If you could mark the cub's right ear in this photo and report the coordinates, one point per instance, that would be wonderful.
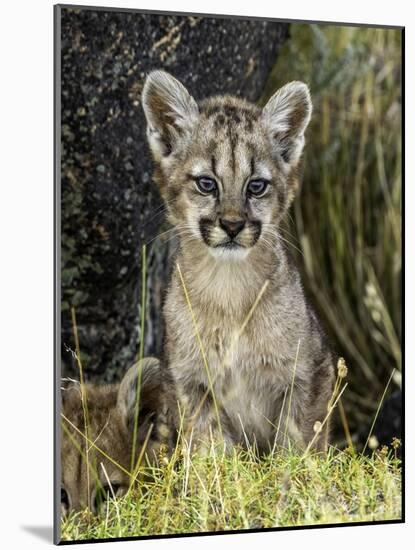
(170, 111)
(286, 116)
(145, 377)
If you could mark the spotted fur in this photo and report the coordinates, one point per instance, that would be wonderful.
(271, 369)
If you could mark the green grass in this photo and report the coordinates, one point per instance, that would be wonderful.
(234, 492)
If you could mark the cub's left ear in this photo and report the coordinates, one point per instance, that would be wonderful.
(286, 115)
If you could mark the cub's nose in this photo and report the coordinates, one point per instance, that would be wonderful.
(232, 227)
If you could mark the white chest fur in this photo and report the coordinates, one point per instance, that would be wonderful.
(248, 385)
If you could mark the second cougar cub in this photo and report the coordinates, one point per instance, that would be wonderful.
(102, 421)
(247, 352)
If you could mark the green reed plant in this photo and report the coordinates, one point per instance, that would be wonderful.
(346, 219)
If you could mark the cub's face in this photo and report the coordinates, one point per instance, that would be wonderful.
(226, 183)
(225, 167)
(90, 478)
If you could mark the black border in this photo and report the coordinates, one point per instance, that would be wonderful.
(403, 92)
(230, 532)
(57, 371)
(57, 268)
(224, 16)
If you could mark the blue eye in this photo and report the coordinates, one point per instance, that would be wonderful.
(206, 185)
(257, 187)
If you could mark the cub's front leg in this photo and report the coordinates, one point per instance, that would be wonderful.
(310, 417)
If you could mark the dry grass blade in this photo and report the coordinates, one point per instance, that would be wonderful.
(80, 451)
(93, 445)
(345, 425)
(141, 354)
(202, 350)
(140, 457)
(378, 410)
(291, 392)
(114, 499)
(83, 393)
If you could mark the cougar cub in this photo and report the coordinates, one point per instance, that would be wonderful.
(110, 413)
(247, 352)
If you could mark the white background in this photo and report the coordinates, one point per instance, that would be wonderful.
(26, 255)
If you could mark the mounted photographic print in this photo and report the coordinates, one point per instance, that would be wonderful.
(228, 274)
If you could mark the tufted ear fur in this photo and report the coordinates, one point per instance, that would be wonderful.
(170, 111)
(286, 116)
(147, 374)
